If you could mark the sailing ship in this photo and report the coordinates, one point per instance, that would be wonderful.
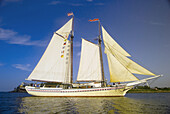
(56, 66)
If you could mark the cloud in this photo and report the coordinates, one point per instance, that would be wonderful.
(22, 67)
(5, 2)
(13, 37)
(6, 34)
(54, 2)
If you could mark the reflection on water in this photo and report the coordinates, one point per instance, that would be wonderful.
(130, 104)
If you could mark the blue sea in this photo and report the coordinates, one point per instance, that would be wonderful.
(132, 103)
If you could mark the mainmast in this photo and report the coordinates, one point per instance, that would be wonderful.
(100, 51)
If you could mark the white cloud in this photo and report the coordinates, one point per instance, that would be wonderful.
(22, 67)
(6, 34)
(54, 2)
(13, 37)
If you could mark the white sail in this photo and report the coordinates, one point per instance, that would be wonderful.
(90, 66)
(132, 66)
(54, 65)
(118, 73)
(66, 29)
(110, 43)
(119, 65)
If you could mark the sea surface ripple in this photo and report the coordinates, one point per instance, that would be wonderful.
(132, 103)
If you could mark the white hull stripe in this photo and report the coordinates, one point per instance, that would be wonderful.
(70, 91)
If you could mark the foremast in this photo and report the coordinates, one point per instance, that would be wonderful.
(72, 36)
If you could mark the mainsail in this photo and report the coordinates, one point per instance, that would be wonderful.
(121, 67)
(90, 66)
(54, 65)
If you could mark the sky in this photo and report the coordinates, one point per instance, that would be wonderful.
(141, 27)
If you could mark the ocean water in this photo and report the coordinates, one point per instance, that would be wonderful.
(132, 103)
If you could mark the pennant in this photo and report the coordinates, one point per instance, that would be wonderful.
(94, 20)
(69, 14)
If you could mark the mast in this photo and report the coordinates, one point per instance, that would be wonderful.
(72, 36)
(100, 52)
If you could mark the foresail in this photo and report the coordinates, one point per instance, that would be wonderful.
(90, 66)
(118, 73)
(132, 66)
(109, 42)
(121, 67)
(54, 65)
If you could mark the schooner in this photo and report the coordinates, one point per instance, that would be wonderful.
(56, 66)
